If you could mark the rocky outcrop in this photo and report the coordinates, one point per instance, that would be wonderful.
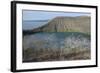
(67, 24)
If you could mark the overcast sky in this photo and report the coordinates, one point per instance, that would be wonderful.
(45, 15)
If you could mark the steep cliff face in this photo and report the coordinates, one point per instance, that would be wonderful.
(67, 24)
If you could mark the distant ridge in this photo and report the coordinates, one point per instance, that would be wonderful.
(67, 24)
(35, 20)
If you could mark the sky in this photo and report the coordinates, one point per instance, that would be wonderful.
(45, 15)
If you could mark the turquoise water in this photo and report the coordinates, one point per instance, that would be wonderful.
(56, 40)
(61, 34)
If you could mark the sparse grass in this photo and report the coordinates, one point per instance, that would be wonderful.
(39, 56)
